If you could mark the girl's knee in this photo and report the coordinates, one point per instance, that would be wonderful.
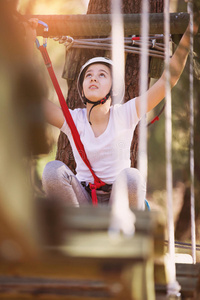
(136, 186)
(133, 177)
(52, 171)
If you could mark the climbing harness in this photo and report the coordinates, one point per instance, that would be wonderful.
(97, 182)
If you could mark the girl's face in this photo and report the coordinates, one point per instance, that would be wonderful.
(97, 82)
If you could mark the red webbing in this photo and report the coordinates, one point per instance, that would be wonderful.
(155, 119)
(97, 182)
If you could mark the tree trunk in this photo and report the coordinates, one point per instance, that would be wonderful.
(75, 58)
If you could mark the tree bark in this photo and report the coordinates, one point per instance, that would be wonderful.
(75, 58)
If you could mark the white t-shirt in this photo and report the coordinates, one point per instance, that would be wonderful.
(108, 153)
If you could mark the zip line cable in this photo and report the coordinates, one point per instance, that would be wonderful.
(131, 44)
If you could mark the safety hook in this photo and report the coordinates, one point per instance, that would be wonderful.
(46, 28)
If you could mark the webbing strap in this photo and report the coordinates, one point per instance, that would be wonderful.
(76, 137)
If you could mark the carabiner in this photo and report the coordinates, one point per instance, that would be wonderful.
(46, 28)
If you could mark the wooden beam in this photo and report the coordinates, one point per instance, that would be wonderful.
(100, 25)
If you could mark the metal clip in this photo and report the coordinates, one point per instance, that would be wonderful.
(69, 42)
(133, 41)
(153, 43)
(46, 29)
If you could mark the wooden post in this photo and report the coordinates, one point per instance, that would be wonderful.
(100, 24)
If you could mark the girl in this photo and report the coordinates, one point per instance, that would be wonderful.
(106, 132)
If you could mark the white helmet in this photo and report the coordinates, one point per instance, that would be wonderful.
(91, 61)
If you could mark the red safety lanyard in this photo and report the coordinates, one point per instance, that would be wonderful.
(76, 137)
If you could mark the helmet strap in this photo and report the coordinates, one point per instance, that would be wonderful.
(95, 103)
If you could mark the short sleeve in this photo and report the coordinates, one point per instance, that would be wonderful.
(126, 114)
(78, 116)
(65, 128)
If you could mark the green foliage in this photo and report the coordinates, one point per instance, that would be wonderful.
(156, 153)
(180, 139)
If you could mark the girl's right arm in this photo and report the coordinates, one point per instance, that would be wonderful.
(53, 113)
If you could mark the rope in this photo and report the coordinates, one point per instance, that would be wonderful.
(131, 44)
(143, 85)
(183, 245)
(157, 116)
(122, 219)
(173, 286)
(118, 56)
(192, 197)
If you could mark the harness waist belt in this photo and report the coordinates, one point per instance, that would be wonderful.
(105, 188)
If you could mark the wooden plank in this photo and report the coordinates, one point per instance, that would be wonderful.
(86, 221)
(189, 287)
(94, 218)
(124, 261)
(43, 288)
(100, 244)
(189, 270)
(85, 251)
(188, 278)
(100, 25)
(91, 219)
(124, 278)
(53, 264)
